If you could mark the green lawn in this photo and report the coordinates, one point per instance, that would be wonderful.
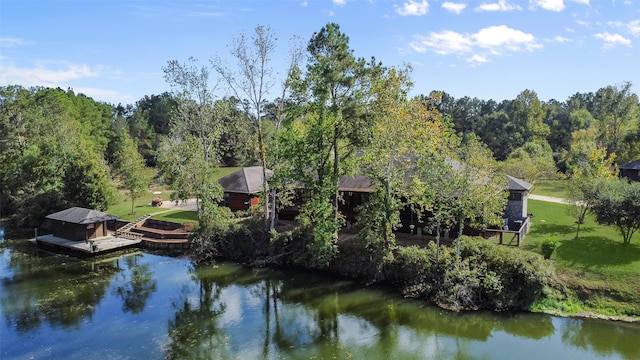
(554, 188)
(180, 216)
(604, 272)
(143, 204)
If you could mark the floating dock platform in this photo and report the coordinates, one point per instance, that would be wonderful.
(93, 246)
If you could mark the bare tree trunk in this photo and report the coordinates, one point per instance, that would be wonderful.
(273, 210)
(460, 226)
(438, 244)
(336, 174)
(265, 185)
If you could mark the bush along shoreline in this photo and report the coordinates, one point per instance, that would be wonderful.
(485, 276)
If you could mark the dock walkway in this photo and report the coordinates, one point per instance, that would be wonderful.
(93, 246)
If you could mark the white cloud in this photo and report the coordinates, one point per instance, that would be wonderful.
(611, 40)
(560, 39)
(584, 2)
(113, 97)
(339, 2)
(499, 38)
(443, 43)
(634, 27)
(583, 23)
(11, 42)
(477, 59)
(478, 47)
(43, 76)
(501, 5)
(551, 5)
(413, 8)
(63, 75)
(455, 8)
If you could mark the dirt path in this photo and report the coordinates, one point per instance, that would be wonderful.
(549, 199)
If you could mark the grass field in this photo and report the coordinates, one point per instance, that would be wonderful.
(603, 272)
(143, 204)
(180, 216)
(554, 188)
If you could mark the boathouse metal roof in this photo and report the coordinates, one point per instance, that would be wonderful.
(79, 215)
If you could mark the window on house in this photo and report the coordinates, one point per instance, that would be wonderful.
(515, 196)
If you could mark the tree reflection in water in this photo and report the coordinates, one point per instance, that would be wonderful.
(63, 291)
(193, 332)
(48, 290)
(228, 311)
(135, 286)
(589, 336)
(57, 290)
(304, 315)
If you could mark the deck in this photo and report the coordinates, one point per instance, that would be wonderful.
(517, 235)
(94, 246)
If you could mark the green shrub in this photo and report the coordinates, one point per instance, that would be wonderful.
(486, 275)
(548, 246)
(414, 271)
(222, 235)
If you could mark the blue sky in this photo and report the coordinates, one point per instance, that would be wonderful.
(114, 50)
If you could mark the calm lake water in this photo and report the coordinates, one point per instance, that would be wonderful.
(148, 306)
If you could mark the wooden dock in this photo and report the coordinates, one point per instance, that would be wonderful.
(93, 246)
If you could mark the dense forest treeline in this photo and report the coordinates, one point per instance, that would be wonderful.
(60, 149)
(57, 147)
(509, 127)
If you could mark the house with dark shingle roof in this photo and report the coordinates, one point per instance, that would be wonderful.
(631, 170)
(79, 224)
(242, 188)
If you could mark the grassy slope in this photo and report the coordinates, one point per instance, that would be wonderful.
(180, 216)
(554, 188)
(604, 272)
(143, 204)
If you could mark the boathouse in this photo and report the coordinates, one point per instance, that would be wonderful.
(79, 224)
(242, 188)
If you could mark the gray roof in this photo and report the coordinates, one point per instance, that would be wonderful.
(78, 215)
(247, 180)
(355, 183)
(634, 165)
(518, 184)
